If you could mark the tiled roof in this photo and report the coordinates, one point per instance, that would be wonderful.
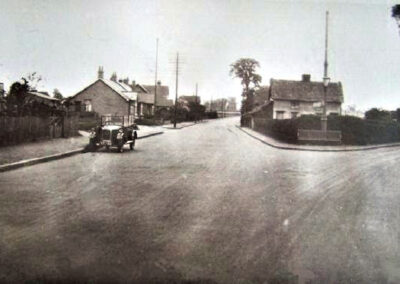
(122, 89)
(146, 98)
(305, 91)
(162, 91)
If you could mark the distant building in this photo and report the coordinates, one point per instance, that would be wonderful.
(189, 99)
(146, 95)
(289, 99)
(42, 97)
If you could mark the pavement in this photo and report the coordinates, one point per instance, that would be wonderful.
(207, 204)
(181, 125)
(317, 148)
(12, 157)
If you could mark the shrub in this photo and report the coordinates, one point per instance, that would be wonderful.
(211, 114)
(148, 121)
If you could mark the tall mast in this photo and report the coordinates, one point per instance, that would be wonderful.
(155, 80)
(326, 46)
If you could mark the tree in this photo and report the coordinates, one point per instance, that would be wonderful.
(17, 99)
(196, 111)
(245, 69)
(33, 80)
(378, 114)
(57, 94)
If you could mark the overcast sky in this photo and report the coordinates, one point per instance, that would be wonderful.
(66, 41)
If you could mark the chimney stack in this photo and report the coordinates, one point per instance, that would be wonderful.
(100, 73)
(114, 77)
(306, 77)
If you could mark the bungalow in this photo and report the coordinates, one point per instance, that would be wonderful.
(105, 97)
(289, 99)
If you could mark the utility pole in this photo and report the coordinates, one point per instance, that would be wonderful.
(195, 118)
(176, 86)
(326, 79)
(155, 81)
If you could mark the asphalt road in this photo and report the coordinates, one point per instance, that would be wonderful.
(205, 203)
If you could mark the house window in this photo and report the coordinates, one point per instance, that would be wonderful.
(279, 114)
(294, 114)
(88, 105)
(294, 104)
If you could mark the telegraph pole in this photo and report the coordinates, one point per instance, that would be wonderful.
(176, 86)
(155, 81)
(326, 79)
(195, 118)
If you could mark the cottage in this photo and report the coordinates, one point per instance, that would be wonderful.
(289, 99)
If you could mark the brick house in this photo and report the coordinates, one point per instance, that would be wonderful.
(105, 97)
(119, 98)
(286, 99)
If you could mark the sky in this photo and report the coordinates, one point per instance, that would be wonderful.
(66, 41)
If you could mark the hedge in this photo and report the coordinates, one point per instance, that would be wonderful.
(355, 131)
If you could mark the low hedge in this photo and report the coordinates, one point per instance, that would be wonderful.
(355, 131)
(148, 121)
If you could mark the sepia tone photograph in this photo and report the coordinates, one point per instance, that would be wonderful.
(200, 141)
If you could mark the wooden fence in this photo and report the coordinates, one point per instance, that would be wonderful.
(14, 130)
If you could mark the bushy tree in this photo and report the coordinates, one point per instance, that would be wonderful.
(245, 69)
(396, 13)
(378, 114)
(17, 99)
(196, 111)
(57, 94)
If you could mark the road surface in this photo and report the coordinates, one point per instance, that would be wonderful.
(205, 203)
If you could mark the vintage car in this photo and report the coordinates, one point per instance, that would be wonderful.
(113, 136)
